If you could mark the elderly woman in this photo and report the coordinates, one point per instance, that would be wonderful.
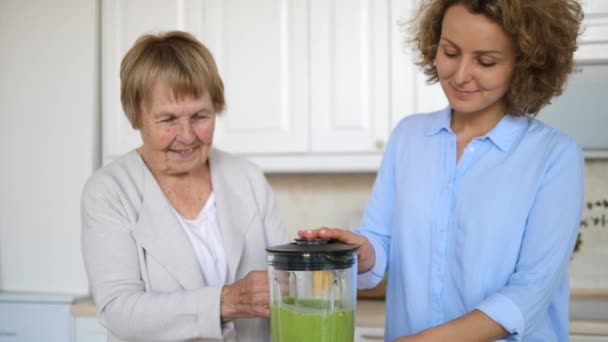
(174, 232)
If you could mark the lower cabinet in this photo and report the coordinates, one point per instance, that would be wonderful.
(88, 329)
(35, 321)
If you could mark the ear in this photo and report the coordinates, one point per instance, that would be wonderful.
(138, 119)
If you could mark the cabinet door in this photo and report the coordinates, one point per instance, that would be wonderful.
(410, 92)
(260, 48)
(25, 321)
(262, 52)
(350, 70)
(593, 44)
(122, 23)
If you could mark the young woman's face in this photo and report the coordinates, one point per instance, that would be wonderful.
(475, 60)
(177, 133)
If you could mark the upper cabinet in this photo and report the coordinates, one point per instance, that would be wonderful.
(311, 85)
(593, 44)
(122, 22)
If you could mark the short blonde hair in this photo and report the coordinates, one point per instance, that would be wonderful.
(177, 58)
(544, 33)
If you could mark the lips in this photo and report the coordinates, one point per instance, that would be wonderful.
(462, 92)
(184, 152)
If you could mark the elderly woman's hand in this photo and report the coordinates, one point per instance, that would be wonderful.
(366, 255)
(246, 298)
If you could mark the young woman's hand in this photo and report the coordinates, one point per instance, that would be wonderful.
(366, 254)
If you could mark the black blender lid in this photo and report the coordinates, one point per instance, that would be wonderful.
(326, 246)
(312, 255)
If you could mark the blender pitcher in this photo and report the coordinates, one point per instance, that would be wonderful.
(313, 291)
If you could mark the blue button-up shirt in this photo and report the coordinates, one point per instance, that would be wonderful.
(493, 231)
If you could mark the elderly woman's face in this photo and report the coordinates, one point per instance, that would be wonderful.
(177, 133)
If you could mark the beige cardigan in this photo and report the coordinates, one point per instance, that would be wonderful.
(144, 276)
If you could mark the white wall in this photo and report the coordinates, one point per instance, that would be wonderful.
(49, 139)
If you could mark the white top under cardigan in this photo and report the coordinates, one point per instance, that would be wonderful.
(206, 239)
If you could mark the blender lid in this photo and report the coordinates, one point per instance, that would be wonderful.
(311, 255)
(306, 246)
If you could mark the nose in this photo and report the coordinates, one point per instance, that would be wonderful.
(185, 134)
(463, 72)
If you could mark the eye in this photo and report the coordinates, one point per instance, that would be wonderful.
(168, 119)
(200, 116)
(486, 63)
(450, 53)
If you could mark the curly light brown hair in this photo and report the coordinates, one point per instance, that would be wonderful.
(544, 34)
(177, 58)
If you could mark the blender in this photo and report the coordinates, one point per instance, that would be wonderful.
(312, 291)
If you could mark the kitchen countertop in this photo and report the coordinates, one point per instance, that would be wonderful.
(370, 313)
(83, 307)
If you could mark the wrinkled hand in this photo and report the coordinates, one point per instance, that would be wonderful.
(246, 298)
(366, 255)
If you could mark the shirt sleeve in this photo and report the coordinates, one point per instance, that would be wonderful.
(547, 246)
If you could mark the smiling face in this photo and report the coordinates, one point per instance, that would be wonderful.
(177, 132)
(475, 60)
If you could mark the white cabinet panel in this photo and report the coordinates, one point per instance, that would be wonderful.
(410, 92)
(25, 322)
(350, 63)
(593, 44)
(595, 7)
(260, 48)
(122, 23)
(262, 51)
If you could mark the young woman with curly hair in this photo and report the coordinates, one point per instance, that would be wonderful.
(476, 207)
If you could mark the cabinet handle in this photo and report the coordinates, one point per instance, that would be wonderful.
(379, 144)
(371, 337)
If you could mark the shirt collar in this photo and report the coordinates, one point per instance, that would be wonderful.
(503, 135)
(440, 121)
(509, 128)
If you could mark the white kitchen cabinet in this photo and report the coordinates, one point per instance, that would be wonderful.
(121, 23)
(260, 48)
(593, 44)
(26, 317)
(350, 75)
(311, 85)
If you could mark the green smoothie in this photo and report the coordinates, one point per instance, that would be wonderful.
(311, 321)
